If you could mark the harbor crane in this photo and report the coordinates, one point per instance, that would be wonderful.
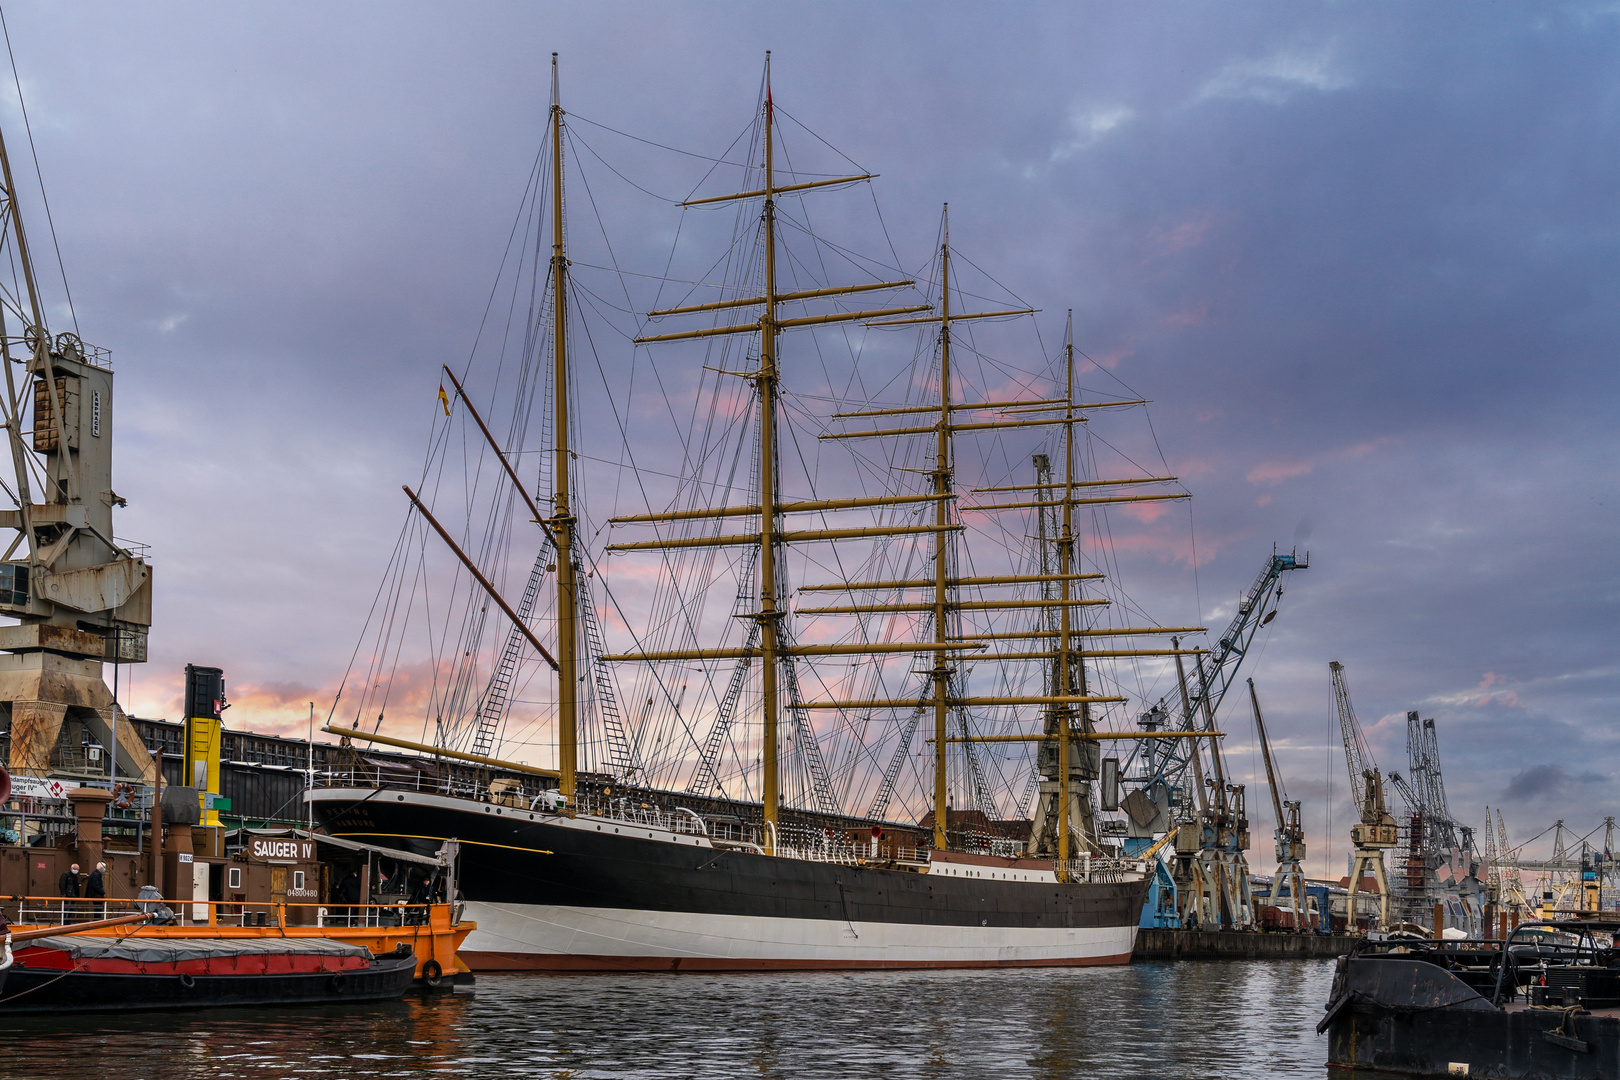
(1441, 861)
(1376, 831)
(1290, 833)
(1208, 872)
(1512, 884)
(1493, 866)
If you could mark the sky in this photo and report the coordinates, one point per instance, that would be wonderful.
(1362, 257)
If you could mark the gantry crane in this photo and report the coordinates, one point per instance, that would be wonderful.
(1375, 833)
(1512, 884)
(1290, 833)
(1493, 868)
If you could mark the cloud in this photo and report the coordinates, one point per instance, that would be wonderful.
(1490, 691)
(1542, 780)
(1089, 124)
(1191, 315)
(1185, 234)
(1275, 472)
(1370, 446)
(1278, 77)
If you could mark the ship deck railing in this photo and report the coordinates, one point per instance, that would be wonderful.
(403, 778)
(1101, 870)
(633, 811)
(65, 911)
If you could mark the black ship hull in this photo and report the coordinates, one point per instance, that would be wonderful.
(555, 892)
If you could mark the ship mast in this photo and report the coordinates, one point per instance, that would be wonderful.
(942, 490)
(770, 508)
(943, 422)
(766, 380)
(1067, 690)
(562, 517)
(1066, 657)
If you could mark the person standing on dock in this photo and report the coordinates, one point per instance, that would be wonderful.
(68, 886)
(95, 888)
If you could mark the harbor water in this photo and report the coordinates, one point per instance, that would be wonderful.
(1191, 1019)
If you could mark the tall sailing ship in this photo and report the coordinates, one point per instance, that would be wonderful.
(871, 729)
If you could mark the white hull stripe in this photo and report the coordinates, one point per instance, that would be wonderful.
(545, 936)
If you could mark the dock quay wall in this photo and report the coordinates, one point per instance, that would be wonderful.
(1159, 944)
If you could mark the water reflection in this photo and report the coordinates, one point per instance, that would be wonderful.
(1187, 1020)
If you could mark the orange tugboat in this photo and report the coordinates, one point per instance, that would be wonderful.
(268, 887)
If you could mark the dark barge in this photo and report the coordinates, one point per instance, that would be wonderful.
(83, 974)
(1545, 1004)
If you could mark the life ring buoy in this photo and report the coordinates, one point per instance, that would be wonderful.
(432, 974)
(123, 796)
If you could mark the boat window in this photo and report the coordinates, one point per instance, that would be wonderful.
(236, 877)
(298, 880)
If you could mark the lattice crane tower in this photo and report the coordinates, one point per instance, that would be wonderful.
(1376, 832)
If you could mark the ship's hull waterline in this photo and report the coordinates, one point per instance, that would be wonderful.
(557, 893)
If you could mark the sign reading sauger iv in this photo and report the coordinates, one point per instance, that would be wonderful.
(261, 847)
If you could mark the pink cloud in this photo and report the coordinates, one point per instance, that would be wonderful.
(1275, 472)
(1146, 513)
(1264, 500)
(1363, 449)
(1183, 235)
(1111, 359)
(1188, 316)
(1491, 696)
(1187, 234)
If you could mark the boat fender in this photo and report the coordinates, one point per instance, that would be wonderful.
(432, 973)
(336, 982)
(402, 949)
(187, 980)
(1334, 1008)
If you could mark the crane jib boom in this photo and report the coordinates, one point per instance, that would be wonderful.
(1214, 674)
(1357, 757)
(1265, 752)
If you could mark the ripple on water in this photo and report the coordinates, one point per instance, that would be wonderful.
(1186, 1020)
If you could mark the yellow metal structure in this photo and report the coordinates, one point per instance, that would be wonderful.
(201, 771)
